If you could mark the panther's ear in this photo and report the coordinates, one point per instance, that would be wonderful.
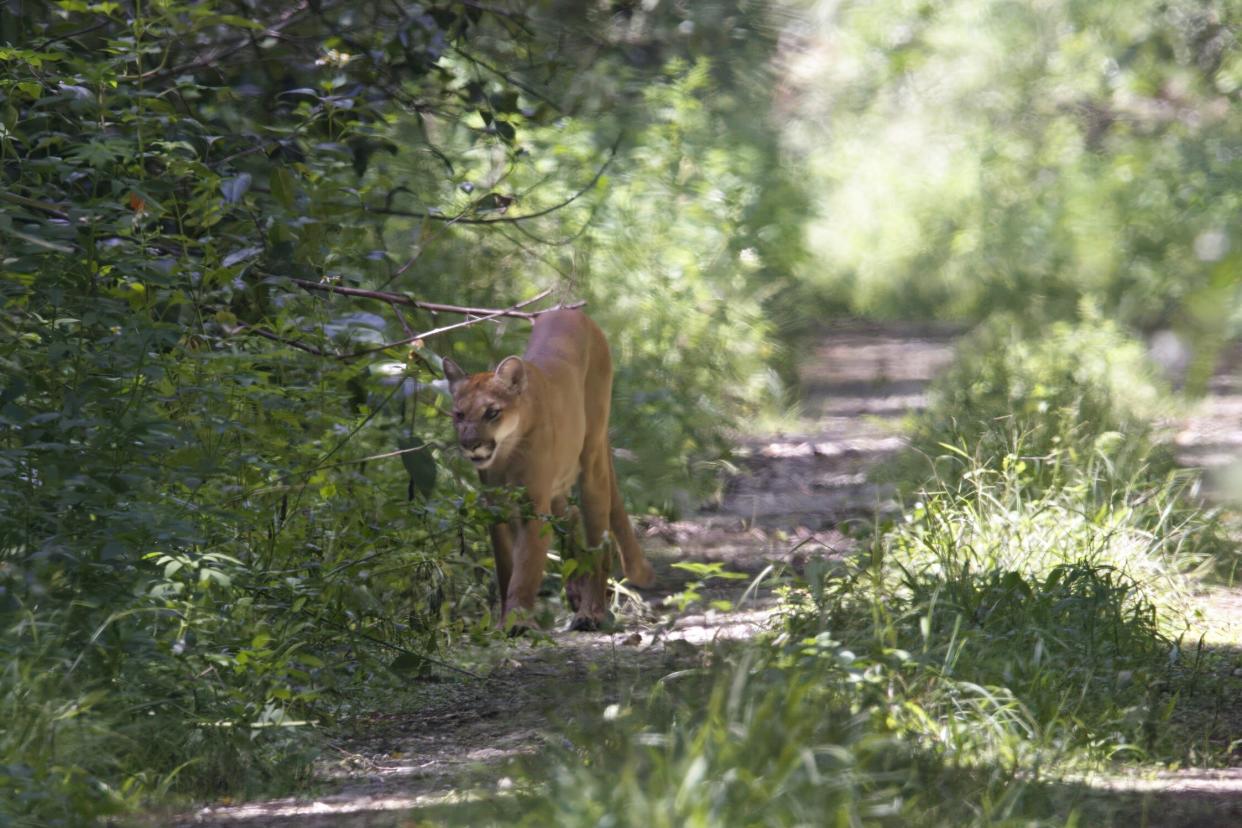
(512, 372)
(453, 373)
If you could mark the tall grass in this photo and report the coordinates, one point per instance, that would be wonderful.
(1062, 398)
(1020, 621)
(1004, 631)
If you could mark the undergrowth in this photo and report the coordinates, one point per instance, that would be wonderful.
(999, 636)
(1071, 396)
(1022, 623)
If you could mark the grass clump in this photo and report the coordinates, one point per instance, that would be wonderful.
(803, 731)
(1020, 624)
(1003, 633)
(1071, 602)
(1072, 394)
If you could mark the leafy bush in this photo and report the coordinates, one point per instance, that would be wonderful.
(1077, 394)
(684, 301)
(230, 500)
(986, 156)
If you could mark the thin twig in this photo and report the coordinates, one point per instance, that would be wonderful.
(47, 207)
(381, 642)
(529, 90)
(396, 311)
(455, 326)
(434, 307)
(70, 35)
(250, 329)
(499, 12)
(291, 16)
(586, 225)
(463, 218)
(385, 455)
(399, 649)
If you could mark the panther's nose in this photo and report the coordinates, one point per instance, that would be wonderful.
(471, 443)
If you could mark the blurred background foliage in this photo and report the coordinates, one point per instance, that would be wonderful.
(977, 155)
(205, 539)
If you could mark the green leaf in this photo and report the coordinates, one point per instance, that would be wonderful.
(99, 154)
(713, 569)
(419, 464)
(283, 186)
(238, 256)
(506, 131)
(408, 663)
(504, 102)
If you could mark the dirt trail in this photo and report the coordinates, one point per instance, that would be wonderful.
(796, 490)
(796, 496)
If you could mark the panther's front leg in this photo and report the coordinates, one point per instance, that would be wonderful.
(530, 555)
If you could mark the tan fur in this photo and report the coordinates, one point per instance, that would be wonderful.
(539, 422)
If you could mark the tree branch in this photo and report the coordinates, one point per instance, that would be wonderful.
(464, 218)
(455, 326)
(529, 90)
(47, 207)
(219, 52)
(433, 307)
(244, 328)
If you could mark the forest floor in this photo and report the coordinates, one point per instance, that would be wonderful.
(799, 493)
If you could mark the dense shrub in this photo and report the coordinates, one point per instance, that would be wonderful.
(1077, 393)
(984, 156)
(230, 500)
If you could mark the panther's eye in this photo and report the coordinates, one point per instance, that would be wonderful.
(491, 413)
(457, 415)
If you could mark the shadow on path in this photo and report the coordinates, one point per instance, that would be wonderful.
(795, 497)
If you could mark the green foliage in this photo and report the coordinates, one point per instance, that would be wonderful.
(684, 302)
(1069, 595)
(229, 503)
(685, 299)
(229, 499)
(987, 155)
(752, 744)
(1060, 396)
(705, 572)
(1002, 625)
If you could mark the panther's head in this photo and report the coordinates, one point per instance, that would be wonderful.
(486, 408)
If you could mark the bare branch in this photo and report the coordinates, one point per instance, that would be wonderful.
(455, 326)
(529, 90)
(47, 207)
(250, 329)
(396, 310)
(394, 300)
(218, 53)
(433, 307)
(464, 218)
(499, 12)
(71, 35)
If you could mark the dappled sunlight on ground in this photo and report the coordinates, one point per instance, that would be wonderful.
(798, 496)
(1210, 437)
(792, 501)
